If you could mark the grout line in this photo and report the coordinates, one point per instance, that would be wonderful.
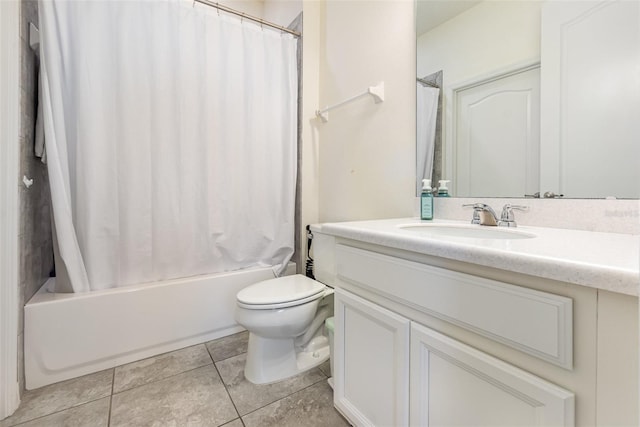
(230, 357)
(222, 380)
(170, 376)
(233, 420)
(209, 353)
(74, 405)
(224, 384)
(267, 404)
(291, 394)
(276, 401)
(113, 383)
(164, 378)
(160, 355)
(52, 413)
(113, 380)
(228, 394)
(112, 393)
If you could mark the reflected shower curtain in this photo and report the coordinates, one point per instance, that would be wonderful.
(427, 112)
(171, 141)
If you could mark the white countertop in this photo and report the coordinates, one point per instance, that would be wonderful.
(608, 261)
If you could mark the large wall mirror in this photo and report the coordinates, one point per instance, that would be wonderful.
(521, 98)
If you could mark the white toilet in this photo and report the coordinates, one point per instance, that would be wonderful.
(285, 319)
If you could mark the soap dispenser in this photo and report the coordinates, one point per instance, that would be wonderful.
(426, 200)
(443, 190)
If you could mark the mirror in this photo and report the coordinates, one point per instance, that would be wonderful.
(527, 98)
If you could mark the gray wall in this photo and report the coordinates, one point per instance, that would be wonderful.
(35, 241)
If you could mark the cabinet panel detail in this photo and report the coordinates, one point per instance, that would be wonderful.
(534, 322)
(371, 364)
(453, 384)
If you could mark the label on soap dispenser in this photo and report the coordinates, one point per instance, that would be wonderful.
(426, 206)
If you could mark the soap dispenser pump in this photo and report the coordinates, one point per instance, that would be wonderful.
(426, 200)
(443, 190)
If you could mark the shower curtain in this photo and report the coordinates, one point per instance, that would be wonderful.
(171, 137)
(427, 112)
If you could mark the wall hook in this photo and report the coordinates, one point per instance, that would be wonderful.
(26, 181)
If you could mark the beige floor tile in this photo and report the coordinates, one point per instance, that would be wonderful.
(160, 367)
(193, 398)
(248, 397)
(234, 423)
(92, 414)
(229, 346)
(63, 395)
(182, 388)
(311, 407)
(326, 368)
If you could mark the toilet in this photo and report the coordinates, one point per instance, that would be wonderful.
(285, 319)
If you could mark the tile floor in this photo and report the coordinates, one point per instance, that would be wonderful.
(203, 385)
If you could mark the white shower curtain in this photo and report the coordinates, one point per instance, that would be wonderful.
(171, 140)
(427, 113)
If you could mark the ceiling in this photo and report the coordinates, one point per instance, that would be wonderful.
(431, 13)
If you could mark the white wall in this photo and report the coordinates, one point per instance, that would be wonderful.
(488, 37)
(250, 7)
(281, 12)
(367, 150)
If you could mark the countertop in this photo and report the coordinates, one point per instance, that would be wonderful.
(608, 261)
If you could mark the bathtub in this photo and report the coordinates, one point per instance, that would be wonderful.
(69, 335)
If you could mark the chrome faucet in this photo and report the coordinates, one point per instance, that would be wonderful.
(483, 214)
(507, 218)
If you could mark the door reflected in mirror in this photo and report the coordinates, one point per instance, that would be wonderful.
(533, 97)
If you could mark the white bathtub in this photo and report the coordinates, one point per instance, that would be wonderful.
(69, 335)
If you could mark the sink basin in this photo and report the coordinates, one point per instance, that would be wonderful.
(469, 231)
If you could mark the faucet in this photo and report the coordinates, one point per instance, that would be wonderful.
(483, 214)
(507, 219)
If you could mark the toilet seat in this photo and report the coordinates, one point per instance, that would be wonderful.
(282, 292)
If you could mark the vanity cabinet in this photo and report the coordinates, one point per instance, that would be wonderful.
(371, 377)
(391, 369)
(452, 384)
(538, 333)
(384, 361)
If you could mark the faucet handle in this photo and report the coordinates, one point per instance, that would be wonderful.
(482, 214)
(507, 218)
(477, 208)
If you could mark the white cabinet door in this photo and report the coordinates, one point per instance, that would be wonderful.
(371, 363)
(590, 98)
(453, 384)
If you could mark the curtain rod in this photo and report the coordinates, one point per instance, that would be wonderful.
(246, 16)
(427, 83)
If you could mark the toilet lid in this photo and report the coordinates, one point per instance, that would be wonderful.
(281, 290)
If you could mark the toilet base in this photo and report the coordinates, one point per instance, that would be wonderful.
(270, 360)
